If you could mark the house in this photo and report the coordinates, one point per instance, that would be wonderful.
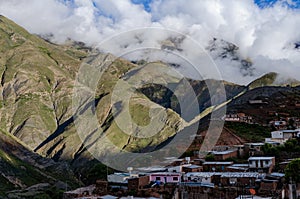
(282, 136)
(200, 177)
(177, 169)
(279, 125)
(253, 149)
(237, 168)
(261, 164)
(192, 168)
(240, 150)
(268, 187)
(224, 178)
(165, 177)
(276, 176)
(241, 178)
(175, 162)
(195, 190)
(138, 183)
(223, 155)
(121, 178)
(199, 162)
(215, 166)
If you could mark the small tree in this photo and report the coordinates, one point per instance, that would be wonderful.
(210, 157)
(292, 171)
(98, 172)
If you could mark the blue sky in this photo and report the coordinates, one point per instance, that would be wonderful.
(266, 3)
(145, 2)
(261, 3)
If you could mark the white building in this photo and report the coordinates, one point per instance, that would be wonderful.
(203, 177)
(282, 136)
(261, 164)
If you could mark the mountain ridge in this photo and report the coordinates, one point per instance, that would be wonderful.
(37, 82)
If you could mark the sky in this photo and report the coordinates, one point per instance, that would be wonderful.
(265, 31)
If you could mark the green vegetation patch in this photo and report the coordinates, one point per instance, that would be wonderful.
(249, 132)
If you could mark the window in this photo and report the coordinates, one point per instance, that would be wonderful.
(232, 180)
(157, 178)
(175, 178)
(266, 162)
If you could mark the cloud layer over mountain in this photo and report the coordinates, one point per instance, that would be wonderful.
(266, 36)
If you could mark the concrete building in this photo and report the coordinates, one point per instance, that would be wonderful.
(121, 178)
(241, 178)
(253, 149)
(215, 166)
(200, 177)
(224, 178)
(192, 168)
(240, 150)
(138, 183)
(237, 168)
(223, 155)
(165, 177)
(282, 136)
(261, 164)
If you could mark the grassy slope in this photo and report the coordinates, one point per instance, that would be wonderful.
(36, 82)
(249, 132)
(20, 168)
(271, 79)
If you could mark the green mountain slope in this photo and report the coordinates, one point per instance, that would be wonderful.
(37, 80)
(20, 169)
(37, 125)
(273, 79)
(36, 83)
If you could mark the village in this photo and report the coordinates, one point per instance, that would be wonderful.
(250, 170)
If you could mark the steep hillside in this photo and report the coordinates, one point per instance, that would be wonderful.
(37, 80)
(20, 169)
(281, 100)
(273, 79)
(36, 83)
(164, 96)
(39, 139)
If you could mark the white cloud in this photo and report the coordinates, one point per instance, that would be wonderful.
(265, 36)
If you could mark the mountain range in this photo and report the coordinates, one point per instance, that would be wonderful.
(40, 149)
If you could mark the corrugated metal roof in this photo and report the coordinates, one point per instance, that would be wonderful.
(261, 158)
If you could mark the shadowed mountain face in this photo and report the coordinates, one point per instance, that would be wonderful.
(21, 169)
(37, 81)
(165, 97)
